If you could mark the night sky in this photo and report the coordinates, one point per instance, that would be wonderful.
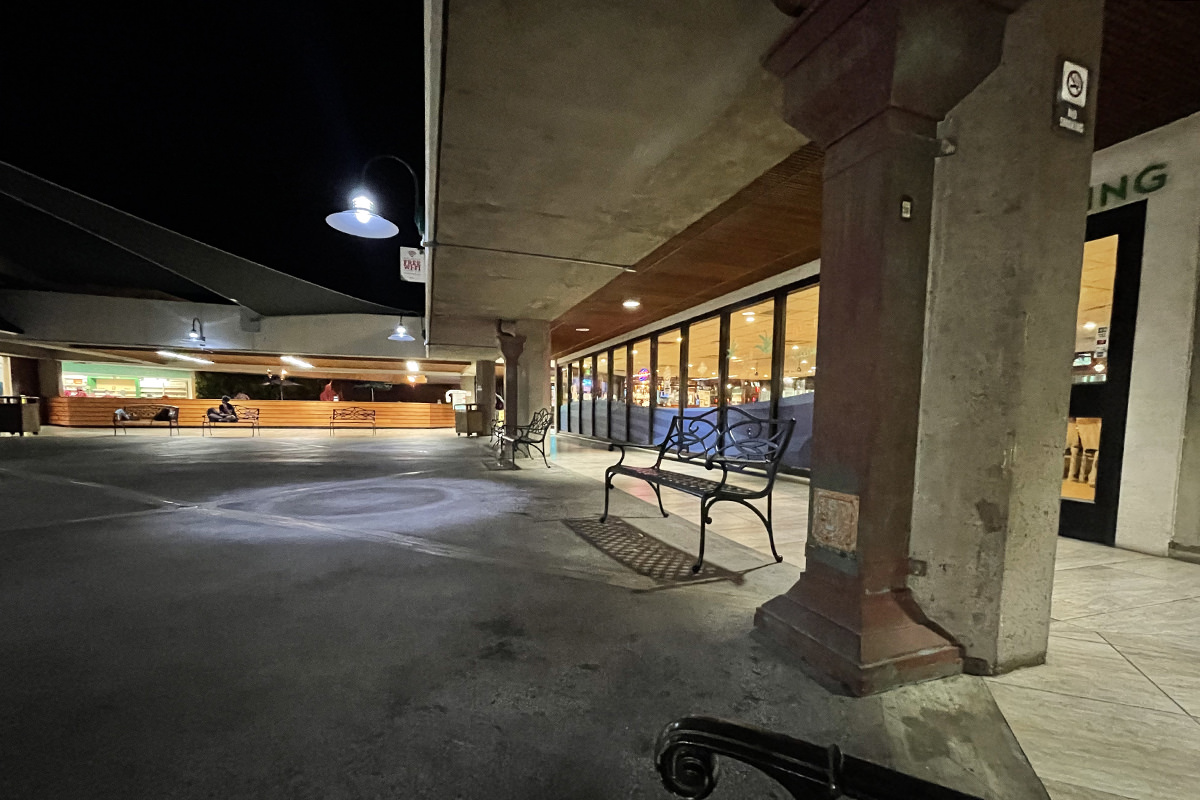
(240, 125)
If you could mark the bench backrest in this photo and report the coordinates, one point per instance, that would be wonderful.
(742, 441)
(145, 411)
(246, 414)
(354, 413)
(536, 430)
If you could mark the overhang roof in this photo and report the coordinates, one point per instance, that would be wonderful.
(52, 237)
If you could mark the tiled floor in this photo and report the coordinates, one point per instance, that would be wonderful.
(1114, 712)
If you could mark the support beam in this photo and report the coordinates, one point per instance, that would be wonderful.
(869, 81)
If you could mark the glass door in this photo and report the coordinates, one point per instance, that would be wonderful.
(1100, 371)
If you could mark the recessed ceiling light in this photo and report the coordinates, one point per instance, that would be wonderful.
(583, 330)
(635, 352)
(411, 366)
(182, 357)
(1089, 325)
(631, 303)
(1099, 368)
(748, 313)
(795, 347)
(679, 338)
(804, 361)
(295, 362)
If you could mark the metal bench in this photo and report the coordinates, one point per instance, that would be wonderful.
(686, 757)
(245, 416)
(148, 413)
(741, 443)
(352, 415)
(527, 436)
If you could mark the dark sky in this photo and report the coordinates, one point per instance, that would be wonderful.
(241, 125)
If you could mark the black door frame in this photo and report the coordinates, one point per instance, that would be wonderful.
(1097, 521)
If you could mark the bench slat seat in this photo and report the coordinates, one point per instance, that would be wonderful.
(352, 415)
(148, 413)
(740, 443)
(245, 416)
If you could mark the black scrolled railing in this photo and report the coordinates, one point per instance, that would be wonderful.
(686, 758)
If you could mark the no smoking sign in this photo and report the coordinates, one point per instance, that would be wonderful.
(1072, 98)
(1074, 84)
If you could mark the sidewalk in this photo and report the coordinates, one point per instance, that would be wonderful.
(1115, 711)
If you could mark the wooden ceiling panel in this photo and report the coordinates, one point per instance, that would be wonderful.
(1149, 78)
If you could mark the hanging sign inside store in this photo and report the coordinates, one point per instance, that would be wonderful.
(1071, 100)
(412, 264)
(643, 374)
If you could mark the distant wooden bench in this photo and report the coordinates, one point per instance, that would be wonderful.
(148, 413)
(352, 415)
(245, 416)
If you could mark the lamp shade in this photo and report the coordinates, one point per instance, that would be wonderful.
(401, 335)
(361, 220)
(362, 223)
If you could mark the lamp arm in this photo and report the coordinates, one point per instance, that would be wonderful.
(418, 206)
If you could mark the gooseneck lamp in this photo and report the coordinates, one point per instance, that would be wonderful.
(196, 334)
(363, 220)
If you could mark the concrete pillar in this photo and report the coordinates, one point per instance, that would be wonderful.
(1186, 543)
(1009, 219)
(869, 82)
(511, 345)
(49, 377)
(534, 375)
(485, 390)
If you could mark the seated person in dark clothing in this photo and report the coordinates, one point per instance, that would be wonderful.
(224, 412)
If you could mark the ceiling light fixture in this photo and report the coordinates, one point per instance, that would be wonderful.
(412, 366)
(182, 357)
(1089, 326)
(1099, 368)
(362, 220)
(795, 347)
(749, 313)
(631, 303)
(296, 362)
(401, 335)
(583, 330)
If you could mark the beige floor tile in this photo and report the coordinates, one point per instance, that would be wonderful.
(1069, 630)
(1073, 553)
(1176, 623)
(1182, 574)
(1173, 668)
(1104, 589)
(1094, 670)
(1069, 791)
(1126, 751)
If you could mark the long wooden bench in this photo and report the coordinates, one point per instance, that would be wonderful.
(245, 416)
(352, 415)
(739, 443)
(148, 413)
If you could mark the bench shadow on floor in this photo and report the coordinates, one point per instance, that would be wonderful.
(667, 566)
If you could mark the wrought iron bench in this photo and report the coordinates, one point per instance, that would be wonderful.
(527, 436)
(686, 758)
(245, 416)
(352, 415)
(148, 413)
(740, 443)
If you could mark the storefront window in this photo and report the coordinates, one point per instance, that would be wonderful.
(749, 354)
(639, 411)
(666, 381)
(799, 373)
(600, 389)
(574, 395)
(704, 347)
(562, 399)
(587, 387)
(619, 399)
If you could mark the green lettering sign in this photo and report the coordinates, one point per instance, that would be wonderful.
(1149, 180)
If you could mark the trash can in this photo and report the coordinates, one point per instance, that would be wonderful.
(20, 414)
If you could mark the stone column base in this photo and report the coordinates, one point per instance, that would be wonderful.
(888, 648)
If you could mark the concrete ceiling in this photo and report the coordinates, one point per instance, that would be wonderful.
(589, 130)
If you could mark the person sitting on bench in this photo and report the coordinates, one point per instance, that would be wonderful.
(224, 412)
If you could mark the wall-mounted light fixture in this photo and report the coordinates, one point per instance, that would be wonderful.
(196, 334)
